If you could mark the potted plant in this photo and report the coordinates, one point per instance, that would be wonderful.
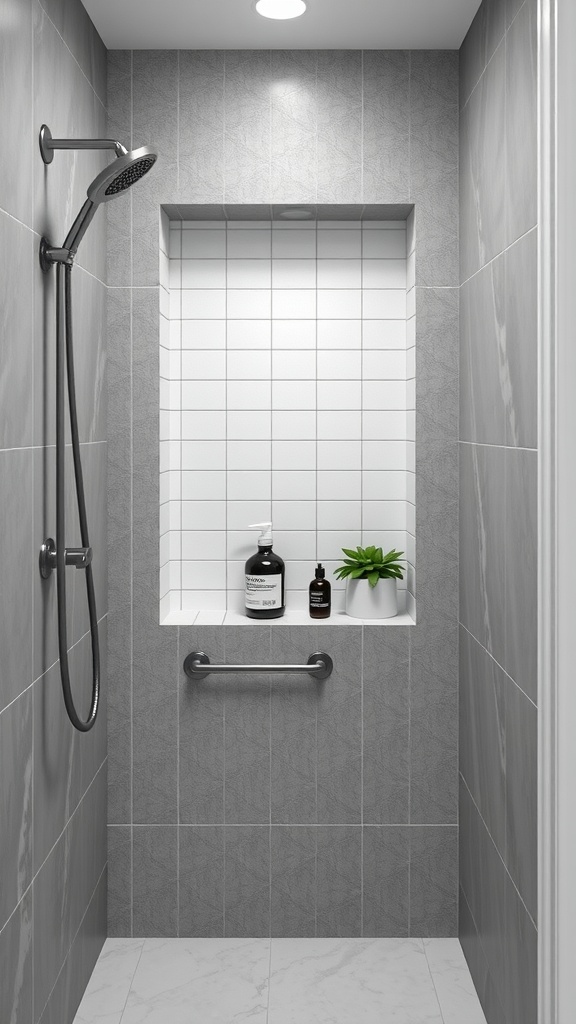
(371, 582)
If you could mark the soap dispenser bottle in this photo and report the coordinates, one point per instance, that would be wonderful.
(320, 595)
(264, 579)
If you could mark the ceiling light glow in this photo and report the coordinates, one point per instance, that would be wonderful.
(280, 10)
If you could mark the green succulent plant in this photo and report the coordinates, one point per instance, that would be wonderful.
(370, 564)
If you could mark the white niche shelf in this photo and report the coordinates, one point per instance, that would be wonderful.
(287, 393)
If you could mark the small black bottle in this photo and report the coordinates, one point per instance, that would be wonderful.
(320, 595)
(264, 579)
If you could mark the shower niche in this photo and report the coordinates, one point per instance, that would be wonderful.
(287, 394)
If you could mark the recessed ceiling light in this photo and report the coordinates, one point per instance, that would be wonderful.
(296, 213)
(281, 10)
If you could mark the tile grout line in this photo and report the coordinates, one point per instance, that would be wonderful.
(433, 981)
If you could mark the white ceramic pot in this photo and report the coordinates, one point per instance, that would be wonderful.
(366, 602)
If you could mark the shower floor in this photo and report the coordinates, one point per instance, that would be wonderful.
(280, 981)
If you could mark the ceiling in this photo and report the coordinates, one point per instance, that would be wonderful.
(327, 25)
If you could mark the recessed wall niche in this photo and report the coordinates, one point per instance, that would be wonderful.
(287, 393)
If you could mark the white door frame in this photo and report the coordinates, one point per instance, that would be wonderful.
(557, 503)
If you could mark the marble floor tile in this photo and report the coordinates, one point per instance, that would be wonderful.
(280, 981)
(452, 981)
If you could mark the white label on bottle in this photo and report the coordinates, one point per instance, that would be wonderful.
(263, 592)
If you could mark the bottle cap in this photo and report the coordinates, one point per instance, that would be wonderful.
(265, 538)
(320, 571)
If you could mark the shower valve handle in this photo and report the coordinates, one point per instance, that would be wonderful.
(81, 558)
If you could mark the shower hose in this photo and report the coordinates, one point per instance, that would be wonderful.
(65, 359)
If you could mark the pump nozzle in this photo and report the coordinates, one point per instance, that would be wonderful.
(265, 538)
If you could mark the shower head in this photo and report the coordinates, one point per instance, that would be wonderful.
(121, 175)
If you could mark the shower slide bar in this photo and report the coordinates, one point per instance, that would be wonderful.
(197, 666)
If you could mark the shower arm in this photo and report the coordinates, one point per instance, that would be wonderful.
(48, 145)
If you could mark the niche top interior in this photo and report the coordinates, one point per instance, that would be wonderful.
(275, 211)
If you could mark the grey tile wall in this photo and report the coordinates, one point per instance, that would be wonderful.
(52, 781)
(290, 808)
(498, 508)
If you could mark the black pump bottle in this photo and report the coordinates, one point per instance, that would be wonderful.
(264, 579)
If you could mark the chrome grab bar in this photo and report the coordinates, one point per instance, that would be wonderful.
(197, 666)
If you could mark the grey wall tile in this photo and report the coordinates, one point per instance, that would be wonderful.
(247, 728)
(521, 611)
(437, 375)
(478, 965)
(154, 880)
(482, 184)
(201, 718)
(78, 32)
(338, 881)
(482, 38)
(433, 881)
(385, 881)
(484, 370)
(15, 803)
(385, 725)
(201, 881)
(521, 795)
(521, 122)
(16, 81)
(522, 342)
(247, 881)
(16, 254)
(18, 566)
(293, 125)
(16, 965)
(521, 962)
(119, 880)
(247, 117)
(386, 120)
(339, 126)
(119, 214)
(201, 128)
(293, 729)
(339, 729)
(293, 881)
(482, 706)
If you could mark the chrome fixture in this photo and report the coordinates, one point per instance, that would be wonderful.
(111, 182)
(197, 666)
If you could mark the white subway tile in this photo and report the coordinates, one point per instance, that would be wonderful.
(411, 487)
(203, 273)
(384, 515)
(339, 515)
(339, 334)
(294, 454)
(383, 334)
(410, 363)
(294, 273)
(175, 244)
(340, 484)
(411, 304)
(203, 225)
(249, 455)
(410, 456)
(384, 538)
(386, 244)
(208, 334)
(299, 575)
(208, 574)
(202, 364)
(379, 225)
(248, 365)
(384, 304)
(297, 426)
(204, 485)
(293, 394)
(344, 305)
(256, 395)
(198, 545)
(203, 515)
(340, 365)
(384, 274)
(169, 455)
(242, 513)
(331, 542)
(384, 485)
(339, 426)
(339, 455)
(236, 575)
(240, 544)
(249, 244)
(247, 485)
(165, 575)
(384, 426)
(296, 545)
(384, 394)
(410, 518)
(248, 426)
(204, 305)
(174, 276)
(339, 394)
(410, 425)
(411, 271)
(383, 454)
(410, 394)
(339, 244)
(294, 304)
(203, 455)
(294, 515)
(246, 334)
(200, 426)
(203, 394)
(248, 303)
(293, 365)
(294, 334)
(385, 365)
(202, 601)
(249, 273)
(203, 244)
(296, 244)
(171, 303)
(340, 274)
(293, 485)
(175, 334)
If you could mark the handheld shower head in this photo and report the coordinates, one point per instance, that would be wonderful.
(122, 174)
